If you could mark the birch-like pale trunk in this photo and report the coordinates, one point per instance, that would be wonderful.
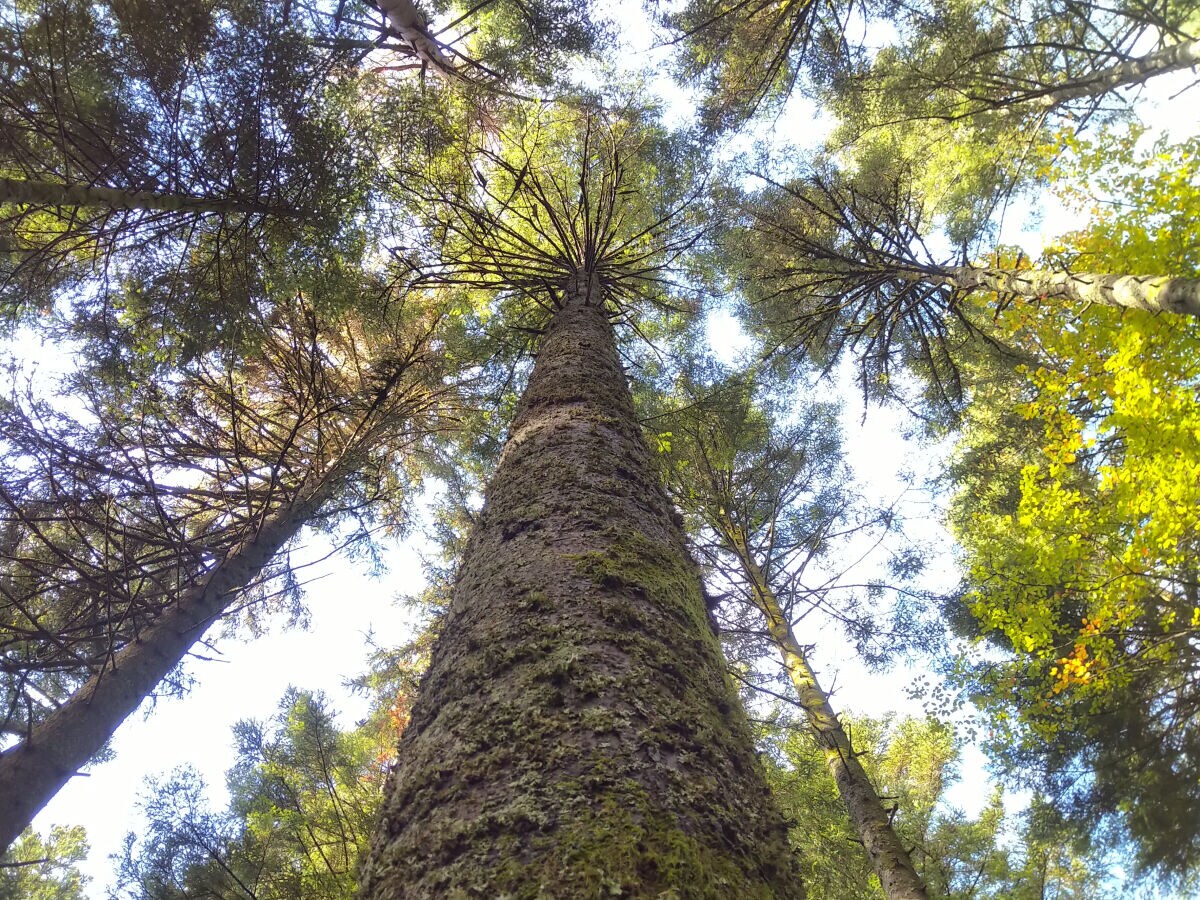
(576, 734)
(1175, 58)
(34, 770)
(410, 25)
(1154, 293)
(55, 194)
(872, 823)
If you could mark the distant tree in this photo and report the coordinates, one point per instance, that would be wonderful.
(767, 506)
(960, 60)
(833, 262)
(37, 868)
(303, 799)
(181, 144)
(946, 61)
(509, 44)
(975, 96)
(746, 57)
(914, 761)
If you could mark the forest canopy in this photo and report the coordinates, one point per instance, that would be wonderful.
(570, 300)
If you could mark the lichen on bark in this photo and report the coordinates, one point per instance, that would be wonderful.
(576, 735)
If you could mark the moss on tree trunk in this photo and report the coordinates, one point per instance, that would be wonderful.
(576, 735)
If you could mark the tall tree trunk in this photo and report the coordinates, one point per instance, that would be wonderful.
(1156, 293)
(50, 193)
(1175, 58)
(33, 771)
(576, 734)
(889, 859)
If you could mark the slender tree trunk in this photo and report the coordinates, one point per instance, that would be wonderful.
(576, 735)
(33, 771)
(1184, 55)
(49, 193)
(889, 859)
(1156, 293)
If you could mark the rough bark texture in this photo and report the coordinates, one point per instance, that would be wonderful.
(889, 858)
(1184, 55)
(49, 193)
(1153, 293)
(576, 735)
(33, 771)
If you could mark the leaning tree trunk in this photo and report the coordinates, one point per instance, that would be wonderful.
(50, 193)
(411, 26)
(576, 734)
(1156, 293)
(873, 825)
(33, 771)
(1175, 58)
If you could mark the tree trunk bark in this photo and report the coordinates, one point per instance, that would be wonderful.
(1156, 293)
(889, 859)
(49, 193)
(410, 25)
(33, 771)
(1184, 55)
(576, 734)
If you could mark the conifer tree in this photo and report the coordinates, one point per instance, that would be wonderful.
(113, 570)
(235, 208)
(576, 727)
(767, 507)
(834, 262)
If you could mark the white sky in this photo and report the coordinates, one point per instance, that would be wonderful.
(248, 681)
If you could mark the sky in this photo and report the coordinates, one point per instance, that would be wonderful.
(246, 679)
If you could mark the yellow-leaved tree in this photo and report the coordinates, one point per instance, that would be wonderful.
(1078, 507)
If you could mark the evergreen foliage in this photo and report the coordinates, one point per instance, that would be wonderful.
(303, 799)
(303, 255)
(45, 868)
